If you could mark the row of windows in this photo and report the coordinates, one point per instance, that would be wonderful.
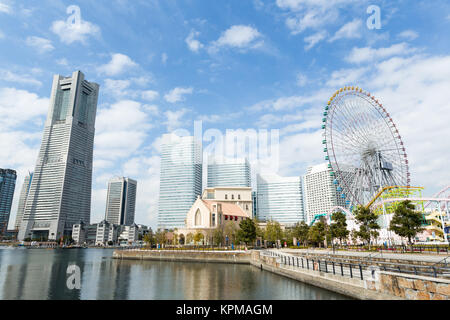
(232, 197)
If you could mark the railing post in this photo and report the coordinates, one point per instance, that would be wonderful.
(415, 270)
(302, 263)
(434, 272)
(307, 263)
(326, 267)
(351, 273)
(361, 272)
(342, 269)
(334, 272)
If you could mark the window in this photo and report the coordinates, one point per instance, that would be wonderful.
(226, 197)
(239, 197)
(235, 218)
(226, 217)
(213, 220)
(246, 207)
(198, 218)
(232, 197)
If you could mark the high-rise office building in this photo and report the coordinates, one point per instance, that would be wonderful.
(7, 185)
(121, 201)
(228, 173)
(321, 193)
(280, 199)
(23, 199)
(60, 191)
(180, 180)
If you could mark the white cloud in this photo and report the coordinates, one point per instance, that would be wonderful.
(302, 80)
(10, 76)
(193, 44)
(149, 95)
(72, 32)
(174, 119)
(42, 45)
(366, 54)
(20, 106)
(176, 94)
(408, 35)
(62, 62)
(119, 64)
(120, 130)
(238, 36)
(2, 35)
(348, 31)
(5, 8)
(314, 39)
(164, 58)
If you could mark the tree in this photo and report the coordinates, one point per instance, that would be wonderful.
(247, 231)
(318, 232)
(149, 238)
(368, 225)
(300, 231)
(189, 238)
(160, 236)
(338, 228)
(217, 236)
(230, 230)
(406, 222)
(273, 231)
(198, 237)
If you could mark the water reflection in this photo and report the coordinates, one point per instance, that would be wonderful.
(41, 274)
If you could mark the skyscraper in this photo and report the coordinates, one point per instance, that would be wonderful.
(180, 180)
(60, 192)
(228, 173)
(7, 185)
(321, 194)
(121, 201)
(23, 199)
(280, 199)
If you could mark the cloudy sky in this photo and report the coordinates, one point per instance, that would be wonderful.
(233, 64)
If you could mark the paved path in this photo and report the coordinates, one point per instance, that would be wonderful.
(358, 254)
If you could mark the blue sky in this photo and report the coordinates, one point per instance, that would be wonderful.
(250, 64)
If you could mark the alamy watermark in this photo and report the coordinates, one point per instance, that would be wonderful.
(74, 279)
(374, 20)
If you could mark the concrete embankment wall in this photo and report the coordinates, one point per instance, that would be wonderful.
(352, 287)
(242, 257)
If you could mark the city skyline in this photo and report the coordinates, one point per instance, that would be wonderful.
(180, 62)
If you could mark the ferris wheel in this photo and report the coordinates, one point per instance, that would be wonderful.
(363, 146)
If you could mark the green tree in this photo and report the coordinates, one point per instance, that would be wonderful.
(198, 237)
(189, 238)
(368, 226)
(300, 231)
(273, 231)
(247, 231)
(338, 228)
(217, 236)
(406, 222)
(230, 230)
(318, 232)
(149, 239)
(160, 236)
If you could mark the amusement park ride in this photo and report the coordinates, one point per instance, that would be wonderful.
(368, 161)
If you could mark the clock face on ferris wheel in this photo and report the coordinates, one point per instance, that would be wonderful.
(363, 146)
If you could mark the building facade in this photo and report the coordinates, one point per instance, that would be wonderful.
(23, 200)
(280, 199)
(7, 186)
(228, 173)
(180, 179)
(121, 201)
(321, 193)
(60, 191)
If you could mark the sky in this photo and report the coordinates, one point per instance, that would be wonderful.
(249, 65)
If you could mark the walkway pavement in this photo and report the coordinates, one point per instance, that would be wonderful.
(434, 258)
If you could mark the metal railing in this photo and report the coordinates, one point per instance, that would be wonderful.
(357, 267)
(343, 269)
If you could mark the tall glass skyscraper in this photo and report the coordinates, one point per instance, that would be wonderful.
(280, 199)
(23, 199)
(228, 173)
(60, 192)
(180, 180)
(7, 185)
(121, 201)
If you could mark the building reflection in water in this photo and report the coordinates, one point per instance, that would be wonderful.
(42, 274)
